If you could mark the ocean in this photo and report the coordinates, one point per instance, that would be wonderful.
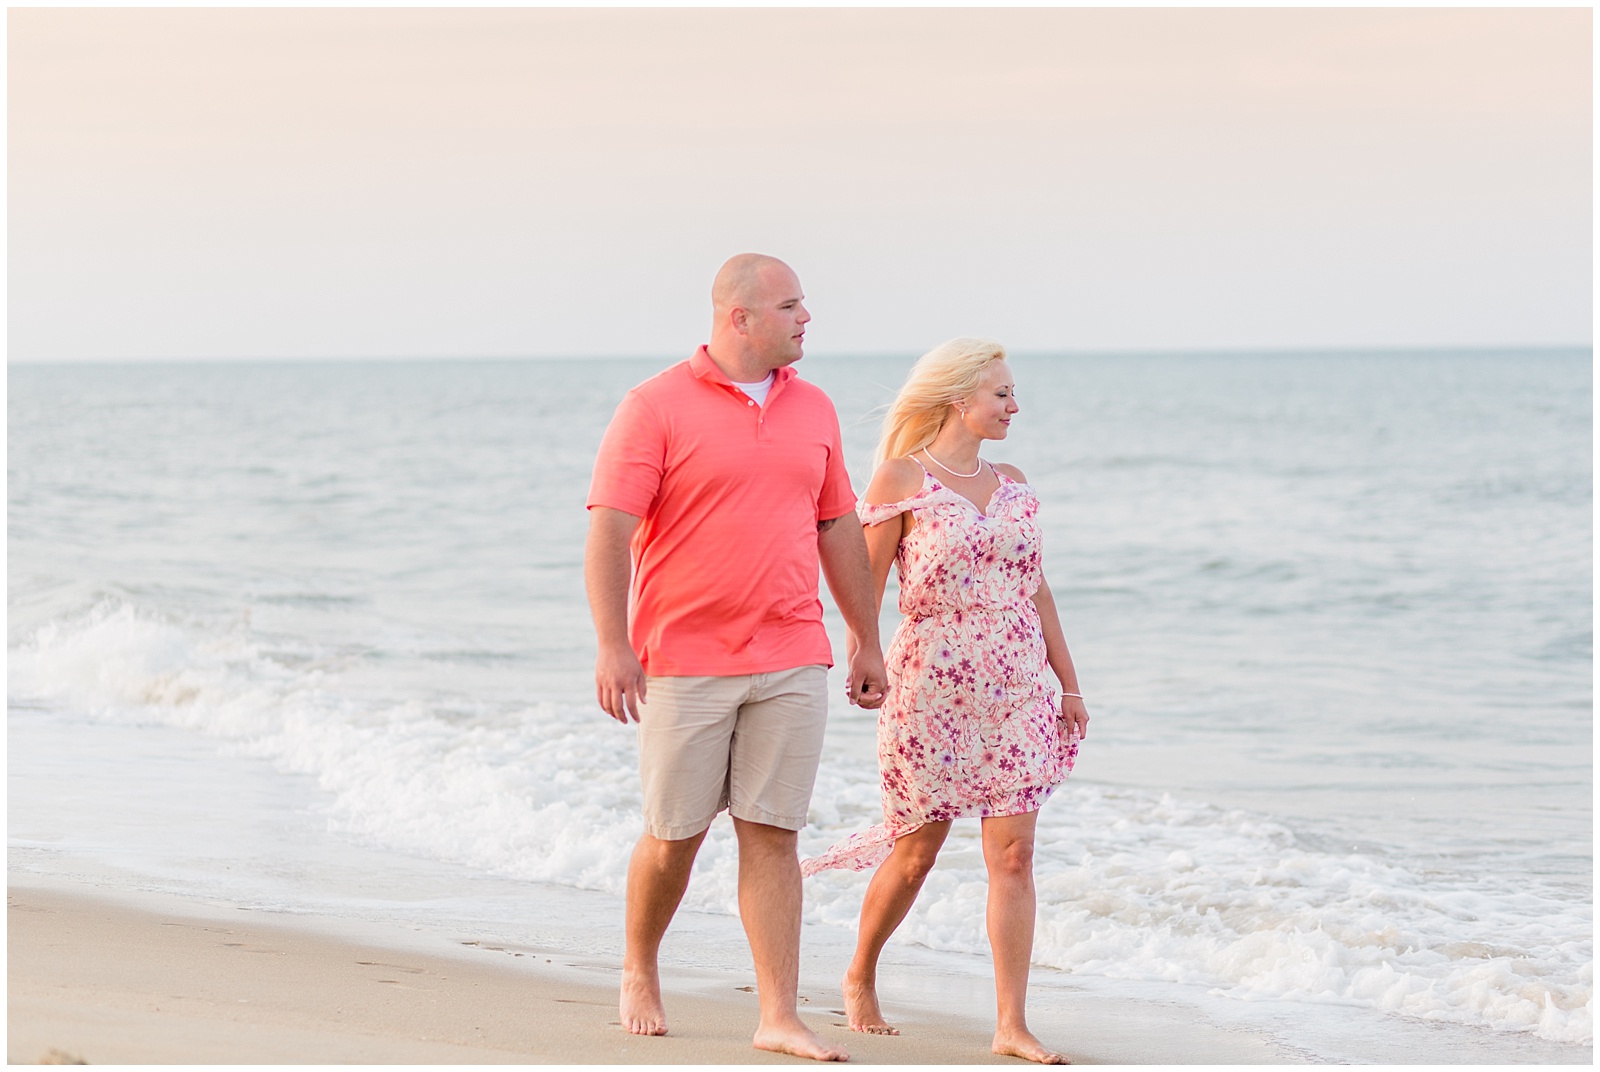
(311, 638)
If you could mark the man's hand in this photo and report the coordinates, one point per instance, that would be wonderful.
(843, 551)
(607, 568)
(866, 685)
(619, 683)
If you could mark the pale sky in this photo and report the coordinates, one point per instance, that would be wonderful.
(198, 183)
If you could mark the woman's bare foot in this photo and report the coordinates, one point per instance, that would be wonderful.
(861, 1007)
(799, 1040)
(640, 1007)
(1022, 1044)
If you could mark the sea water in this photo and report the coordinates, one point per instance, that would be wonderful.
(312, 636)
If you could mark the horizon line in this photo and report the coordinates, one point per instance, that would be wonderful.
(1027, 352)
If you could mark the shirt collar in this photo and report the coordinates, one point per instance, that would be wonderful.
(706, 369)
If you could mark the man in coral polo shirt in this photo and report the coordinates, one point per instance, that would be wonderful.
(722, 480)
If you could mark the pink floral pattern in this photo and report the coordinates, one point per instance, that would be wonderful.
(970, 725)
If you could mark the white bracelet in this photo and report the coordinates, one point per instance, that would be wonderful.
(1078, 695)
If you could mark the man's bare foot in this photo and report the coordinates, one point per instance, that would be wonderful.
(640, 1008)
(861, 1007)
(1022, 1044)
(799, 1040)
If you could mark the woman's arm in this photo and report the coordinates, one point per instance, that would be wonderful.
(896, 479)
(1073, 711)
(1055, 640)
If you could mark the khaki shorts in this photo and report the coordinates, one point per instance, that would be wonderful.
(749, 743)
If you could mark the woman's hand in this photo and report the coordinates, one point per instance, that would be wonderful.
(1074, 718)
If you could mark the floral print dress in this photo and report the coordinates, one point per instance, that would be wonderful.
(971, 723)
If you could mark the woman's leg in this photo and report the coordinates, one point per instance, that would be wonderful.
(889, 897)
(1008, 852)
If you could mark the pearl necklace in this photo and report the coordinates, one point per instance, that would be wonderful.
(951, 471)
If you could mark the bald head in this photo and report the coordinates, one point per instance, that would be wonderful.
(740, 280)
(758, 316)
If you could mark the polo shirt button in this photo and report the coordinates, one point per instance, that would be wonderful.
(749, 401)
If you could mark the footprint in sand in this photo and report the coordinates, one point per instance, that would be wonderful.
(61, 1057)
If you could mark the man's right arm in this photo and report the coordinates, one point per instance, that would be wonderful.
(607, 572)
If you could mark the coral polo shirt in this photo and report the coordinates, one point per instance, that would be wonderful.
(730, 493)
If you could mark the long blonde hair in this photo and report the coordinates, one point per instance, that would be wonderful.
(945, 374)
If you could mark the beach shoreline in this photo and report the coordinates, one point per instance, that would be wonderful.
(113, 979)
(348, 690)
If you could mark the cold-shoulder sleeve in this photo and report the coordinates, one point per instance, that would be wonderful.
(878, 513)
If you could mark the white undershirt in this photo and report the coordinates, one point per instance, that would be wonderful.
(758, 391)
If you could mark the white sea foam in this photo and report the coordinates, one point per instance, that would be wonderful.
(1132, 885)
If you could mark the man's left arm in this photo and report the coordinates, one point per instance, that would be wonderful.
(843, 551)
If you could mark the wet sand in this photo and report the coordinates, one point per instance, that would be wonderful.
(104, 981)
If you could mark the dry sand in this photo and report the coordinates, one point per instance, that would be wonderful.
(106, 982)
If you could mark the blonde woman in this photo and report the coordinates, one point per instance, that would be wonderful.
(984, 713)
